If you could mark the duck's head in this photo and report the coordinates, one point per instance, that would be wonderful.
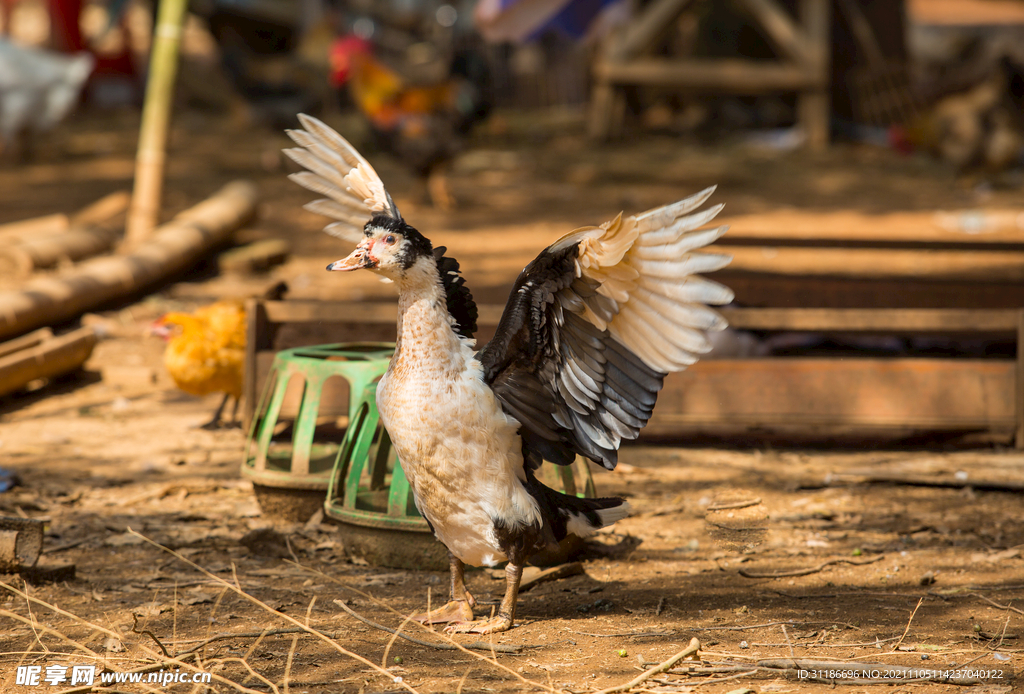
(390, 248)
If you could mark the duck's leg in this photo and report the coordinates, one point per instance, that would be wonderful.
(460, 607)
(506, 611)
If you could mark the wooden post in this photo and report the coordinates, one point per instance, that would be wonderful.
(156, 114)
(1018, 439)
(813, 106)
(255, 340)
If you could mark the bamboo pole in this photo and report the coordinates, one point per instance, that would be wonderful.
(156, 115)
(53, 357)
(37, 227)
(25, 341)
(172, 249)
(73, 245)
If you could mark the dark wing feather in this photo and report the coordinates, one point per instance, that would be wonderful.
(569, 383)
(460, 302)
(595, 323)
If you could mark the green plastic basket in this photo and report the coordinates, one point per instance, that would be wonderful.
(318, 443)
(303, 419)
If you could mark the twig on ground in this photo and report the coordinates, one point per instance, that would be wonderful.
(792, 653)
(812, 570)
(160, 664)
(691, 649)
(394, 635)
(279, 615)
(711, 670)
(252, 635)
(909, 622)
(476, 645)
(623, 634)
(993, 603)
(147, 632)
(288, 663)
(1002, 635)
(865, 644)
(772, 624)
(447, 638)
(715, 680)
(734, 505)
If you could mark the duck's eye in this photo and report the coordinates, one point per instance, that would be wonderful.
(389, 239)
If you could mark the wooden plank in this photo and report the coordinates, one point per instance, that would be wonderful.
(800, 319)
(716, 75)
(950, 394)
(889, 321)
(961, 13)
(782, 30)
(372, 312)
(954, 228)
(870, 263)
(766, 290)
(645, 28)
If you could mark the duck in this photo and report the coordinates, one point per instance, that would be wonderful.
(590, 330)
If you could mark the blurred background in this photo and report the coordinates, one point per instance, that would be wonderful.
(869, 154)
(866, 402)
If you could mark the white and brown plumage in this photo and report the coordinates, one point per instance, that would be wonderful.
(592, 326)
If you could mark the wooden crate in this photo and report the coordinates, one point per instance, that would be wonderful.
(798, 394)
(966, 259)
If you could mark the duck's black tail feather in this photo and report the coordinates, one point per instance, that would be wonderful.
(566, 514)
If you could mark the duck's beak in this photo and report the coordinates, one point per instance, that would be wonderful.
(357, 260)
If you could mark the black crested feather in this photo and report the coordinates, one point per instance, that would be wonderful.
(461, 306)
(572, 386)
(416, 244)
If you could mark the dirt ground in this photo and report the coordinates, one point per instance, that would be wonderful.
(152, 511)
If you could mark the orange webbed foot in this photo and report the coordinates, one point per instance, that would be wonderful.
(453, 611)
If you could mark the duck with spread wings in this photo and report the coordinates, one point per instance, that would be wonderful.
(590, 330)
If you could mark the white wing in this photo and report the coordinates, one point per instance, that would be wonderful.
(353, 190)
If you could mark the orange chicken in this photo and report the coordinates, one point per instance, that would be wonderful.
(206, 352)
(424, 126)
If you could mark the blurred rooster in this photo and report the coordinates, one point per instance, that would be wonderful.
(980, 128)
(37, 90)
(425, 126)
(206, 350)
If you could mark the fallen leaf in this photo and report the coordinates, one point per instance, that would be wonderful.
(198, 598)
(123, 539)
(151, 609)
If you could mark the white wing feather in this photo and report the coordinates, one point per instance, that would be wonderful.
(646, 267)
(353, 190)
